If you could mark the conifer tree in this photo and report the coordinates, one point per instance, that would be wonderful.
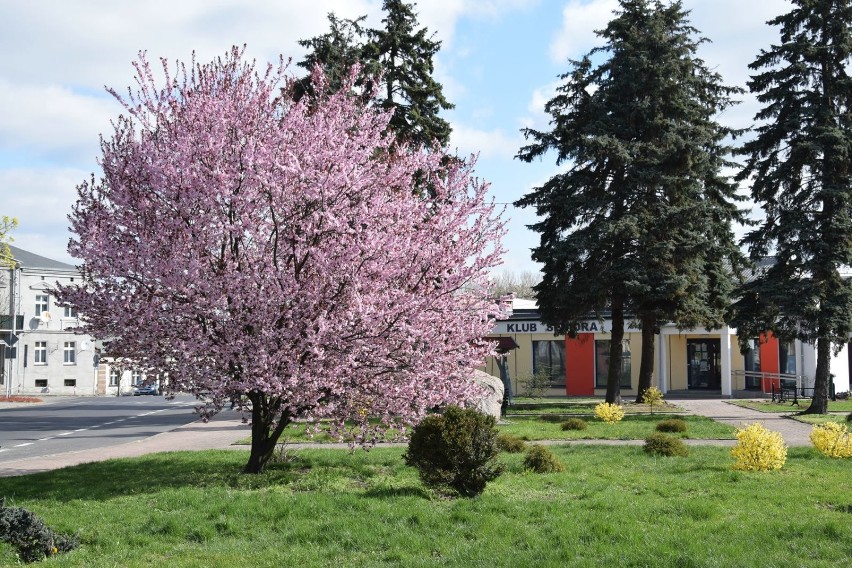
(640, 222)
(403, 54)
(799, 166)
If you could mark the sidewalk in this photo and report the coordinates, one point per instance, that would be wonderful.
(795, 433)
(225, 429)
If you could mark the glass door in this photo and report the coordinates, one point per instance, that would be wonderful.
(704, 364)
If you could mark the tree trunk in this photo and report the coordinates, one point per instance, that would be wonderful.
(819, 403)
(646, 367)
(265, 431)
(613, 378)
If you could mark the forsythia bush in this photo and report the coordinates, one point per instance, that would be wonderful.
(759, 449)
(610, 413)
(652, 396)
(832, 439)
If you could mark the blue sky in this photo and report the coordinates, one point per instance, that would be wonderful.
(499, 64)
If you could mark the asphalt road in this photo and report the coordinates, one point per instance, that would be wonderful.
(73, 424)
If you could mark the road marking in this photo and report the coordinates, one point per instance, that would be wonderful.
(81, 429)
(25, 444)
(4, 450)
(65, 434)
(45, 439)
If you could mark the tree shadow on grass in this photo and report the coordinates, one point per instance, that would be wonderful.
(388, 492)
(147, 474)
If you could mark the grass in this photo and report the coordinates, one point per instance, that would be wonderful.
(613, 506)
(769, 406)
(547, 427)
(632, 427)
(572, 407)
(821, 418)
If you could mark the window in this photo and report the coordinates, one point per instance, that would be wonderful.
(787, 354)
(70, 312)
(549, 358)
(41, 383)
(69, 353)
(752, 364)
(40, 353)
(42, 304)
(136, 377)
(602, 363)
(114, 377)
(70, 382)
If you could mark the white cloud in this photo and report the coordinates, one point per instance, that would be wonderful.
(579, 22)
(487, 143)
(50, 120)
(41, 199)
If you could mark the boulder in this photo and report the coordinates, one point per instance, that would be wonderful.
(492, 398)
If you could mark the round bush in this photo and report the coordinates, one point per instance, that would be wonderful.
(671, 425)
(759, 449)
(832, 439)
(664, 445)
(510, 444)
(456, 450)
(541, 460)
(609, 413)
(574, 424)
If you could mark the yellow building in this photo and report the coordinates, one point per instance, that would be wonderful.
(685, 360)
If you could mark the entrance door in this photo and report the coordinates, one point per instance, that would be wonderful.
(704, 364)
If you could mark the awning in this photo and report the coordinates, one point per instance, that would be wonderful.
(504, 344)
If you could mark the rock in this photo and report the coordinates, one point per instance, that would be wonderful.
(492, 398)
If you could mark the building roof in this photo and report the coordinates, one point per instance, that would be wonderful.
(31, 260)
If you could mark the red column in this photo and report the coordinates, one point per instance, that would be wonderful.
(580, 365)
(769, 360)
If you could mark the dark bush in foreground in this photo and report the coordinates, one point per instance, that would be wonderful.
(849, 417)
(29, 535)
(456, 450)
(550, 418)
(541, 460)
(665, 445)
(510, 444)
(574, 424)
(671, 425)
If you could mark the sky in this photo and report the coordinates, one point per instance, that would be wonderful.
(499, 64)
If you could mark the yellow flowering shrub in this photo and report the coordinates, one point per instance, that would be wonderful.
(652, 396)
(610, 413)
(832, 439)
(759, 449)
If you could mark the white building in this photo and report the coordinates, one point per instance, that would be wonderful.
(39, 354)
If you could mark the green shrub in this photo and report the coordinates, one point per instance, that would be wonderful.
(455, 451)
(541, 460)
(29, 535)
(658, 444)
(671, 425)
(574, 424)
(550, 418)
(510, 444)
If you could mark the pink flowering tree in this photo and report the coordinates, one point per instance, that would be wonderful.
(242, 244)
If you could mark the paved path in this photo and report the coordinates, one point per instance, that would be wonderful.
(226, 429)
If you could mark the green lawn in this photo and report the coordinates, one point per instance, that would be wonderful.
(614, 506)
(547, 427)
(631, 427)
(769, 406)
(822, 418)
(582, 406)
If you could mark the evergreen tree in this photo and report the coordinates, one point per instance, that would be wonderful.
(640, 222)
(799, 165)
(403, 54)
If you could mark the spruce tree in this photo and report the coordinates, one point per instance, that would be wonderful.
(799, 166)
(403, 53)
(641, 221)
